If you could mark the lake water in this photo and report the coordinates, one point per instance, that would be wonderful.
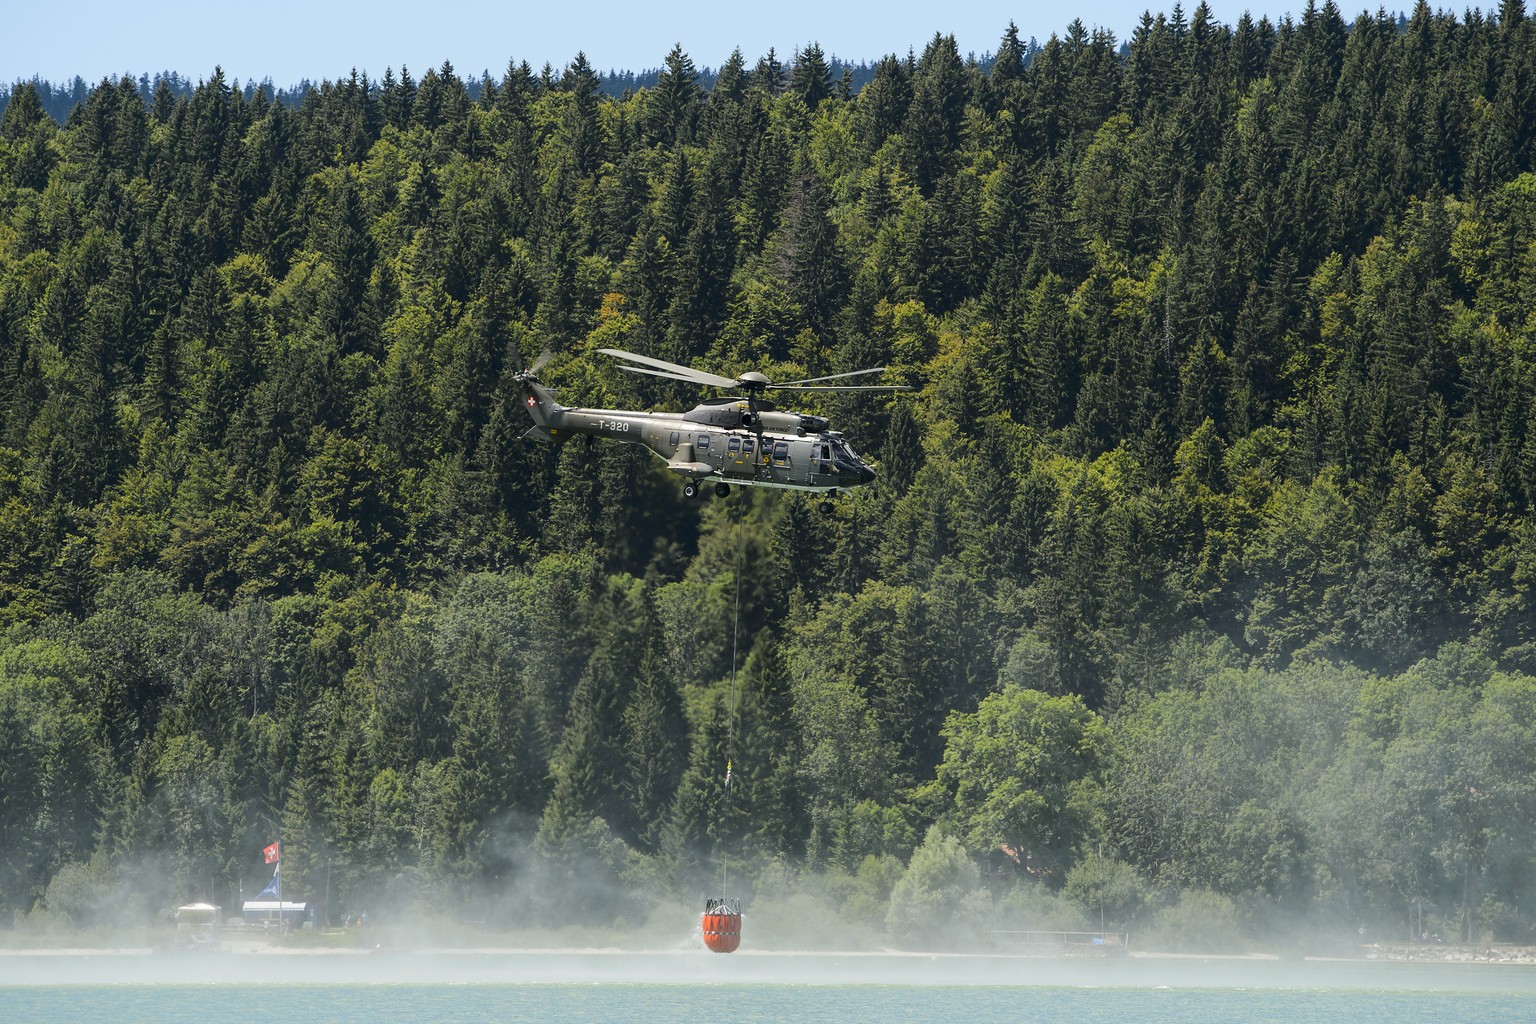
(745, 989)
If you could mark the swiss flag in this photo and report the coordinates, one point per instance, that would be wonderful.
(272, 852)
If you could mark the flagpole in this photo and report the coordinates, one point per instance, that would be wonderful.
(273, 854)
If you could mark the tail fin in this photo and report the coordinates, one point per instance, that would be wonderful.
(542, 407)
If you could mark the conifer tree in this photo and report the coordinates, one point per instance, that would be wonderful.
(810, 78)
(673, 108)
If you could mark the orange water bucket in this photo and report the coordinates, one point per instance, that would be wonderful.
(722, 925)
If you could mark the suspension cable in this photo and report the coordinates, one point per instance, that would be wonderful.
(730, 720)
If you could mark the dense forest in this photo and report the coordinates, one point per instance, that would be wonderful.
(60, 99)
(1194, 594)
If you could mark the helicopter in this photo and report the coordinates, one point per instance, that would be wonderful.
(744, 439)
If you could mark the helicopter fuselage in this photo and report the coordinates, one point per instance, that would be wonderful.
(731, 441)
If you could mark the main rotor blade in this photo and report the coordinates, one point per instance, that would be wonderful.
(682, 372)
(666, 374)
(841, 387)
(835, 376)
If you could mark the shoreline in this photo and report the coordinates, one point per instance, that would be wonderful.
(240, 950)
(243, 947)
(694, 967)
(392, 949)
(501, 967)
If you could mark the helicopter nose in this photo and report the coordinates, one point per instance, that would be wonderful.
(866, 474)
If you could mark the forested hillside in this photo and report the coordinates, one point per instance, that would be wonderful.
(1195, 588)
(59, 99)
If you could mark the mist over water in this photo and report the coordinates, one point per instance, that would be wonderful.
(751, 968)
(665, 975)
(746, 987)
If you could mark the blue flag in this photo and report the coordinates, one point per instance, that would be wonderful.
(272, 888)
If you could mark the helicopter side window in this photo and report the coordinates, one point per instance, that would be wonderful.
(703, 443)
(748, 445)
(734, 446)
(673, 438)
(781, 453)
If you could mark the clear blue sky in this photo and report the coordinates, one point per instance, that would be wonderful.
(288, 40)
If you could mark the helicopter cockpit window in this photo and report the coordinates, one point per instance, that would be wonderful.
(825, 454)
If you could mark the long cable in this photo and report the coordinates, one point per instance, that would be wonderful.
(730, 721)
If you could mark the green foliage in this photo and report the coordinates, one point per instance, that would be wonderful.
(1021, 774)
(1106, 891)
(929, 904)
(1199, 922)
(1198, 573)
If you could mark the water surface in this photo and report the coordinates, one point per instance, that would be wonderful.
(687, 988)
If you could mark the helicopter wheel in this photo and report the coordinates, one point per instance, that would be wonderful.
(690, 490)
(721, 490)
(825, 508)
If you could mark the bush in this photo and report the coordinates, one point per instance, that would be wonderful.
(1031, 906)
(1106, 890)
(1200, 922)
(930, 905)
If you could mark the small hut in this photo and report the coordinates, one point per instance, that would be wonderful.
(283, 914)
(197, 924)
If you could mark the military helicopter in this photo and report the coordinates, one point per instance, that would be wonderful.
(743, 439)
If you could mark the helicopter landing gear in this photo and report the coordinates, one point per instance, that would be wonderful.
(826, 507)
(722, 489)
(691, 489)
